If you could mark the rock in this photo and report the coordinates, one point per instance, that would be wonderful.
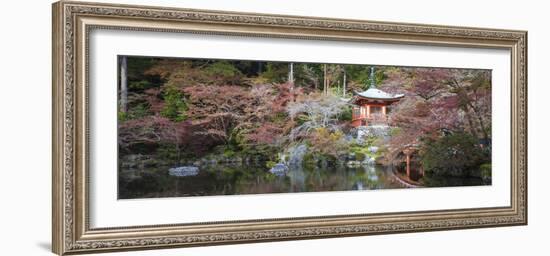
(368, 161)
(378, 131)
(353, 163)
(373, 149)
(184, 171)
(296, 155)
(279, 169)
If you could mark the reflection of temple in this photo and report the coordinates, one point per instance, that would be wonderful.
(371, 106)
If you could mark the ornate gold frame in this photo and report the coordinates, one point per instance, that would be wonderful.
(72, 22)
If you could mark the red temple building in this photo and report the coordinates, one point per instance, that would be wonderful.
(371, 106)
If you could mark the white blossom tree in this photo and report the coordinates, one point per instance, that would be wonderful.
(316, 111)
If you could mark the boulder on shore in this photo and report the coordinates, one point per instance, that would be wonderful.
(279, 169)
(184, 171)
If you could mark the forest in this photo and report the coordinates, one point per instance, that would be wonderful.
(193, 112)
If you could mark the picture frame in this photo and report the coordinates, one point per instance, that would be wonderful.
(73, 23)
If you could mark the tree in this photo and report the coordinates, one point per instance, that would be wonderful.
(331, 72)
(123, 84)
(311, 75)
(290, 73)
(472, 89)
(275, 72)
(222, 72)
(218, 109)
(329, 143)
(344, 82)
(437, 101)
(453, 154)
(315, 111)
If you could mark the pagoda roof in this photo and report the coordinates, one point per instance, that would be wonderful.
(376, 95)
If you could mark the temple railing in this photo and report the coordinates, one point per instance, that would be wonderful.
(373, 119)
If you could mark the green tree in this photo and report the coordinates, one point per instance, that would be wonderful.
(174, 104)
(223, 71)
(457, 154)
(275, 72)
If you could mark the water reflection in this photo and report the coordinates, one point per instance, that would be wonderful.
(256, 179)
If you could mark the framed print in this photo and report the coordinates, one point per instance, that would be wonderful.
(179, 127)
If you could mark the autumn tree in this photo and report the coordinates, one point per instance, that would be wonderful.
(438, 101)
(315, 111)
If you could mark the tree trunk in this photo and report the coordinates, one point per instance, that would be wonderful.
(260, 67)
(325, 89)
(123, 84)
(473, 129)
(291, 73)
(344, 85)
(481, 122)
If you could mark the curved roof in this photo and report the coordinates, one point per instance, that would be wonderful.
(377, 94)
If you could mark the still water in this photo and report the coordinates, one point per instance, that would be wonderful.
(239, 179)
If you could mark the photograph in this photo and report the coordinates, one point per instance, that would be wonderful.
(211, 127)
(203, 125)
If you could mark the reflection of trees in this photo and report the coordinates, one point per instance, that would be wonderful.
(366, 177)
(297, 178)
(238, 179)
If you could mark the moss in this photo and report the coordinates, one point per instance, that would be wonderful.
(122, 116)
(309, 158)
(485, 170)
(229, 153)
(168, 152)
(270, 164)
(360, 156)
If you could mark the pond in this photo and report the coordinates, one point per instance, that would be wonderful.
(227, 179)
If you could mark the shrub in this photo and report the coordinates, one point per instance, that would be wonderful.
(168, 152)
(309, 159)
(223, 72)
(175, 106)
(485, 171)
(328, 143)
(140, 85)
(360, 156)
(228, 152)
(270, 164)
(345, 115)
(455, 154)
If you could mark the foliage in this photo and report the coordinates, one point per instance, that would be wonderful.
(359, 76)
(175, 107)
(485, 170)
(438, 101)
(346, 114)
(360, 156)
(328, 143)
(223, 71)
(140, 85)
(315, 111)
(228, 152)
(275, 72)
(153, 131)
(454, 154)
(270, 164)
(195, 108)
